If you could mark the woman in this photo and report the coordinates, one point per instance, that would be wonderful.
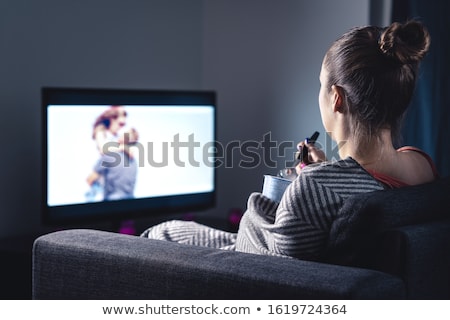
(367, 81)
(366, 87)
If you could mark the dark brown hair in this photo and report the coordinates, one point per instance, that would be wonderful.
(376, 68)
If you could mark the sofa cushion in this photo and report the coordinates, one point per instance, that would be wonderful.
(91, 264)
(365, 219)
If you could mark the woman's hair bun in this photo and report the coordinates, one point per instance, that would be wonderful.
(407, 43)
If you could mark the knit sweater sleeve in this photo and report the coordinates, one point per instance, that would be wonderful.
(304, 217)
(298, 227)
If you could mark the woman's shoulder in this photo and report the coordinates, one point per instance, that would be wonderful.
(410, 166)
(420, 154)
(419, 162)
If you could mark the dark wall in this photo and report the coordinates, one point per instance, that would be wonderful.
(99, 43)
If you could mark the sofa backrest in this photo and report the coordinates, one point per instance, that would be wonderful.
(391, 230)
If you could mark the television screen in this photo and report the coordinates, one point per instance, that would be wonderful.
(116, 154)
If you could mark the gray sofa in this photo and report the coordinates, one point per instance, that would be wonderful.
(391, 244)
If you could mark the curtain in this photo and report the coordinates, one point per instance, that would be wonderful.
(427, 123)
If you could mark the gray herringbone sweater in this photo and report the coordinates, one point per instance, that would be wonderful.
(296, 227)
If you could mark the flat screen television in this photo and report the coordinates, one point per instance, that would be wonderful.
(113, 155)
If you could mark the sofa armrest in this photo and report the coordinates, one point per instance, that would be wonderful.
(426, 259)
(90, 264)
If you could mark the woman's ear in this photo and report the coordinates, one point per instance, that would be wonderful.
(337, 99)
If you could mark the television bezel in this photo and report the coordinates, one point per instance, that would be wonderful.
(114, 211)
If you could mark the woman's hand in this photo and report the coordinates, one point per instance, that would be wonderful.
(315, 155)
